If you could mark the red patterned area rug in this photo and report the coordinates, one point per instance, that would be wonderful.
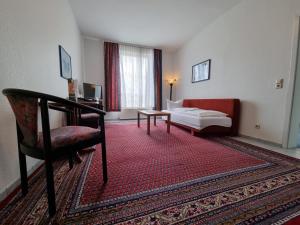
(166, 178)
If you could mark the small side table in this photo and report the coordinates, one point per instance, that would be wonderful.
(154, 113)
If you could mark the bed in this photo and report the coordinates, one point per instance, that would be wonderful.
(207, 116)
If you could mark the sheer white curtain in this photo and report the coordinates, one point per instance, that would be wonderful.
(137, 77)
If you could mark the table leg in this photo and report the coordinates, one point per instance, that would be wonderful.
(154, 120)
(148, 125)
(138, 119)
(169, 123)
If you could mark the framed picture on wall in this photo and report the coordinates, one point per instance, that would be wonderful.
(65, 63)
(201, 71)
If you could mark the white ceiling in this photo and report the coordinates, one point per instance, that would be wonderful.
(154, 23)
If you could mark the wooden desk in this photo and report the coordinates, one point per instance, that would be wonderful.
(73, 115)
(154, 113)
(98, 104)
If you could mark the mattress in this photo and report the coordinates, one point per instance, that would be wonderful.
(198, 122)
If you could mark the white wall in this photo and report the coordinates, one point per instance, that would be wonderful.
(94, 60)
(94, 67)
(250, 47)
(30, 32)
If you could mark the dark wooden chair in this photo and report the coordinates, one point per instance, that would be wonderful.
(89, 119)
(50, 144)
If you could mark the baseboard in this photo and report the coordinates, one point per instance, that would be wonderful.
(126, 114)
(261, 140)
(15, 185)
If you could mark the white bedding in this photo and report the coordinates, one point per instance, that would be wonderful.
(199, 112)
(196, 121)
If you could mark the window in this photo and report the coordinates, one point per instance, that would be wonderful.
(137, 77)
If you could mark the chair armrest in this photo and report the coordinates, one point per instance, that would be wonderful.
(51, 98)
(69, 103)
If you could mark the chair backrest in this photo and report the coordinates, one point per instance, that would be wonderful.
(25, 109)
(25, 105)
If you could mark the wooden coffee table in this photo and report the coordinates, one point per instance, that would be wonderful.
(154, 113)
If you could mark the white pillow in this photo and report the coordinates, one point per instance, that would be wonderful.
(172, 105)
(185, 109)
(206, 113)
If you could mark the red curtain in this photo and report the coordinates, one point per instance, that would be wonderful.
(158, 78)
(112, 77)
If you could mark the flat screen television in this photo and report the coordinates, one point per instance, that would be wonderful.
(92, 91)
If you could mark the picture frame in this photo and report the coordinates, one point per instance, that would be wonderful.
(65, 63)
(201, 71)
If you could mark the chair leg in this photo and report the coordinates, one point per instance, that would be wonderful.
(104, 162)
(50, 188)
(71, 161)
(77, 157)
(23, 172)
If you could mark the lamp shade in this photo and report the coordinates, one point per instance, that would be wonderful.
(171, 81)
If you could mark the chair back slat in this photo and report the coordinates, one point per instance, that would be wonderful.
(25, 110)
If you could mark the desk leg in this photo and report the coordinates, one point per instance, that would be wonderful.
(148, 124)
(169, 123)
(154, 120)
(138, 119)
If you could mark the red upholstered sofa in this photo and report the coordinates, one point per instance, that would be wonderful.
(229, 106)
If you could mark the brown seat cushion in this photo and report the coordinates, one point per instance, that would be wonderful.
(69, 136)
(89, 120)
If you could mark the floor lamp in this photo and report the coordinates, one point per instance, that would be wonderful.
(171, 82)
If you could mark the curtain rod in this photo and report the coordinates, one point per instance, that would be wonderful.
(132, 45)
(121, 43)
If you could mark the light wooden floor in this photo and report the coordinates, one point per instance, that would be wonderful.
(290, 152)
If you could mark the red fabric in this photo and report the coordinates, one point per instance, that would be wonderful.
(64, 137)
(112, 77)
(25, 110)
(158, 78)
(228, 106)
(295, 221)
(139, 162)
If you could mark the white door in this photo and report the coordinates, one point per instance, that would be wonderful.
(294, 133)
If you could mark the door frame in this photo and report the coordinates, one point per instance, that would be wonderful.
(292, 82)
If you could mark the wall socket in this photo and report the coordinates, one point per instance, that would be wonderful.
(257, 126)
(279, 84)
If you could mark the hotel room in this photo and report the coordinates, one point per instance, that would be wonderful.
(150, 112)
